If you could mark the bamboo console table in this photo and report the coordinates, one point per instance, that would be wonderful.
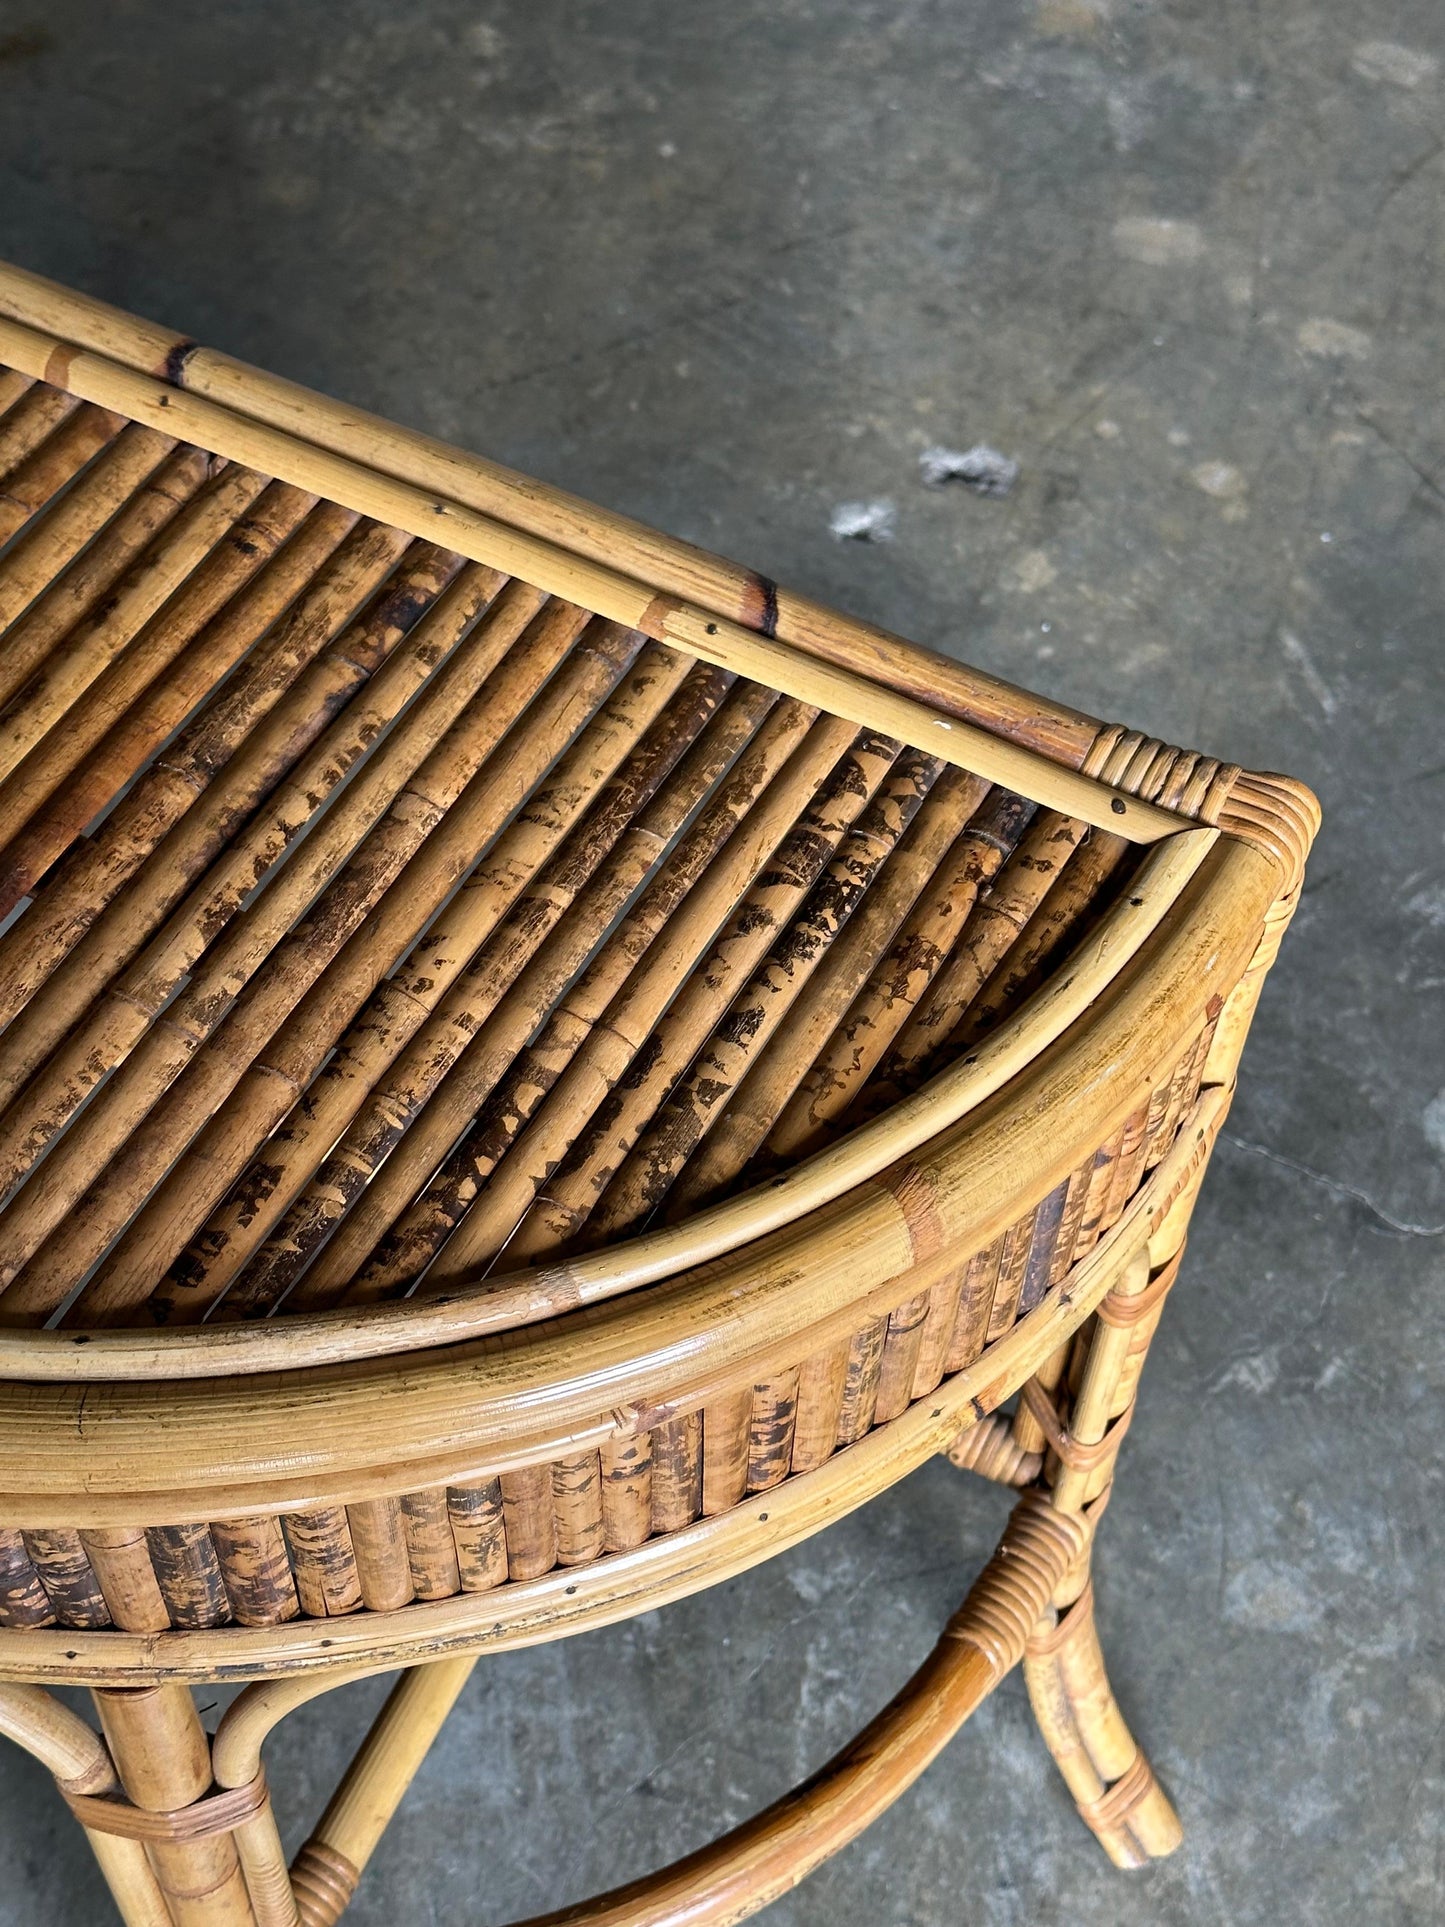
(537, 1069)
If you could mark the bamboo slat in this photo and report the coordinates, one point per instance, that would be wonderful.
(45, 552)
(34, 414)
(700, 1098)
(34, 482)
(323, 1561)
(404, 1000)
(80, 591)
(173, 564)
(64, 1570)
(881, 1008)
(208, 591)
(514, 976)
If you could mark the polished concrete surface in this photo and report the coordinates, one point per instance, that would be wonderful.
(732, 269)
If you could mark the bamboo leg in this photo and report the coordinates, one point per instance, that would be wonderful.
(78, 1758)
(1112, 1782)
(164, 1760)
(235, 1762)
(768, 1855)
(326, 1870)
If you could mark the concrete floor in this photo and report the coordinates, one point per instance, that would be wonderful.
(728, 268)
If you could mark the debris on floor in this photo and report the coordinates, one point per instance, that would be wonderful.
(983, 469)
(864, 521)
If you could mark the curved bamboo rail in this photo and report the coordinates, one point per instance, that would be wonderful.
(284, 1440)
(377, 1330)
(573, 1599)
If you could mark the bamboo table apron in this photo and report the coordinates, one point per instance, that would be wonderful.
(538, 1069)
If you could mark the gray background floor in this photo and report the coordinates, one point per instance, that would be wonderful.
(728, 268)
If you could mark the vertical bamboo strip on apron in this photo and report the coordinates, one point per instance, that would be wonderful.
(64, 1570)
(23, 1600)
(120, 1559)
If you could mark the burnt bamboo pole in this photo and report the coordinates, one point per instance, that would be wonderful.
(882, 1007)
(600, 1034)
(995, 923)
(125, 1017)
(403, 1002)
(272, 1046)
(77, 595)
(226, 760)
(828, 993)
(155, 968)
(586, 883)
(700, 1098)
(478, 1062)
(592, 1164)
(380, 821)
(706, 857)
(383, 821)
(175, 562)
(41, 555)
(43, 475)
(30, 416)
(12, 386)
(199, 603)
(132, 739)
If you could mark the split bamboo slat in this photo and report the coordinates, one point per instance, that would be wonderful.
(536, 1069)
